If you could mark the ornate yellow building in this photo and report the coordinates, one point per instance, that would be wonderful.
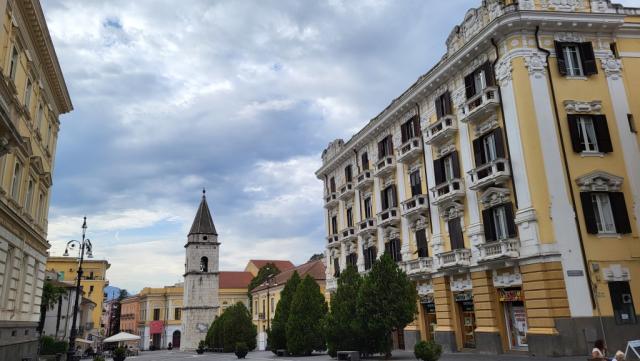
(506, 182)
(33, 94)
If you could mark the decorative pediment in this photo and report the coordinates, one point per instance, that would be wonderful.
(494, 196)
(488, 125)
(425, 289)
(413, 112)
(506, 279)
(333, 149)
(26, 141)
(420, 223)
(351, 247)
(37, 164)
(462, 283)
(569, 37)
(576, 106)
(599, 181)
(369, 241)
(451, 210)
(616, 273)
(446, 149)
(391, 233)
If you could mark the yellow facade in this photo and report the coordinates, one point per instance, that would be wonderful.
(93, 282)
(506, 182)
(162, 306)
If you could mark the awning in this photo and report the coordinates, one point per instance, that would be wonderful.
(122, 336)
(82, 340)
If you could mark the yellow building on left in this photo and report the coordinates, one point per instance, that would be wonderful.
(33, 94)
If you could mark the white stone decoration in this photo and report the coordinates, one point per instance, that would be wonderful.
(602, 6)
(612, 67)
(451, 210)
(577, 106)
(507, 279)
(562, 5)
(446, 149)
(333, 149)
(425, 289)
(616, 273)
(494, 196)
(419, 224)
(536, 64)
(391, 233)
(527, 5)
(569, 37)
(460, 284)
(504, 71)
(599, 181)
(488, 125)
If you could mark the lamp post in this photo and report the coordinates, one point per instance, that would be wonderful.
(269, 281)
(84, 245)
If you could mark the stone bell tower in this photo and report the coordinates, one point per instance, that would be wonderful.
(200, 304)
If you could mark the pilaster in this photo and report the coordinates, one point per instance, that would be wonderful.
(404, 222)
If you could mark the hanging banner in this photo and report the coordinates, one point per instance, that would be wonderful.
(156, 327)
(509, 295)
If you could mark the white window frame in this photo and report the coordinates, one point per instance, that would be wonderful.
(13, 64)
(15, 182)
(588, 137)
(27, 93)
(499, 216)
(29, 196)
(603, 213)
(573, 60)
(489, 148)
(480, 81)
(448, 168)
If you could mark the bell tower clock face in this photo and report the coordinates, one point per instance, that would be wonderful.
(202, 327)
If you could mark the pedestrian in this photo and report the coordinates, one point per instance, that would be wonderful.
(599, 350)
(619, 356)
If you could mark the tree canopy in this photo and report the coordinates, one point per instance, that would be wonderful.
(233, 326)
(343, 328)
(277, 336)
(304, 326)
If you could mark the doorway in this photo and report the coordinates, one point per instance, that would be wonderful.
(176, 339)
(467, 319)
(430, 321)
(515, 316)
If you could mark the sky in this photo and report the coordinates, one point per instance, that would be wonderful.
(238, 97)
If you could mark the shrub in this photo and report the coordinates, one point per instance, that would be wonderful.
(51, 347)
(241, 349)
(119, 354)
(304, 326)
(233, 326)
(427, 351)
(98, 358)
(277, 336)
(201, 346)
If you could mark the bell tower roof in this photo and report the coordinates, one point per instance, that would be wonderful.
(203, 223)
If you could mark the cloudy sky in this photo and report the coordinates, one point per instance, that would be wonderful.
(240, 97)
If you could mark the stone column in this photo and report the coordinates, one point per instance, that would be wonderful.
(404, 222)
(378, 209)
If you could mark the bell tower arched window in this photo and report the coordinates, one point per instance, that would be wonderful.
(204, 264)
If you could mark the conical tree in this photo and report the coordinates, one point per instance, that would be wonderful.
(386, 301)
(342, 329)
(304, 326)
(238, 327)
(277, 336)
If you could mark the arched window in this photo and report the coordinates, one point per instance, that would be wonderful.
(204, 264)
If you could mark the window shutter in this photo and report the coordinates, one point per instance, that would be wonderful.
(387, 249)
(470, 86)
(439, 110)
(574, 132)
(437, 170)
(602, 134)
(381, 149)
(383, 198)
(588, 59)
(394, 197)
(487, 220)
(404, 131)
(488, 74)
(587, 211)
(455, 234)
(500, 151)
(562, 66)
(365, 161)
(421, 243)
(478, 154)
(455, 163)
(389, 145)
(620, 215)
(511, 224)
(447, 103)
(416, 126)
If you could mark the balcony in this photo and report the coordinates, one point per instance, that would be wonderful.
(346, 191)
(450, 190)
(416, 206)
(420, 266)
(481, 105)
(332, 284)
(367, 226)
(503, 249)
(385, 165)
(442, 130)
(410, 150)
(348, 234)
(494, 172)
(456, 258)
(333, 238)
(331, 200)
(364, 179)
(388, 217)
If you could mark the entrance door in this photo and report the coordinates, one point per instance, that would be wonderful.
(430, 322)
(468, 323)
(176, 339)
(516, 318)
(156, 341)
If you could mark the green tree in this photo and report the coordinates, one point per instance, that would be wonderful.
(304, 326)
(277, 335)
(386, 301)
(50, 296)
(233, 326)
(342, 329)
(265, 272)
(214, 338)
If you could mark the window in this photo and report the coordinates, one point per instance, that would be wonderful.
(622, 302)
(499, 223)
(614, 50)
(605, 212)
(415, 182)
(446, 168)
(336, 267)
(410, 129)
(8, 273)
(478, 80)
(632, 123)
(29, 197)
(156, 314)
(39, 117)
(349, 217)
(369, 257)
(273, 306)
(385, 147)
(443, 105)
(365, 161)
(40, 213)
(348, 174)
(27, 93)
(255, 307)
(15, 183)
(176, 314)
(488, 148)
(421, 243)
(389, 197)
(13, 66)
(90, 289)
(332, 184)
(334, 225)
(589, 133)
(367, 208)
(204, 264)
(48, 141)
(455, 233)
(392, 248)
(352, 259)
(576, 59)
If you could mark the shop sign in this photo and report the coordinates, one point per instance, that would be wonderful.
(509, 295)
(426, 299)
(464, 296)
(156, 327)
(575, 273)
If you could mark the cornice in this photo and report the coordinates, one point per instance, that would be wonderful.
(499, 28)
(39, 33)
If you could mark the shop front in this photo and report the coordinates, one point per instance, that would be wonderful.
(515, 317)
(429, 311)
(467, 318)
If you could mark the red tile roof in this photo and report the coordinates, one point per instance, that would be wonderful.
(230, 279)
(281, 264)
(315, 269)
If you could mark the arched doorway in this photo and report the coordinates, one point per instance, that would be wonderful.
(176, 339)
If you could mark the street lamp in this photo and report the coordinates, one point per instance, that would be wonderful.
(269, 282)
(84, 245)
